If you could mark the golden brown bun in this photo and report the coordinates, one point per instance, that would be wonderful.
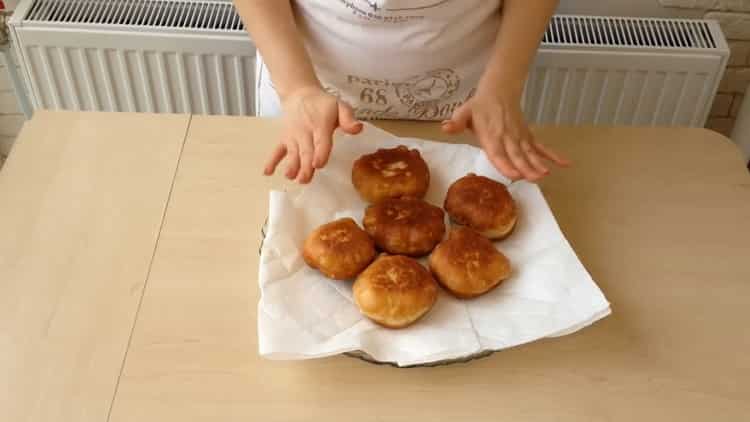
(395, 291)
(467, 264)
(339, 249)
(405, 226)
(391, 173)
(482, 204)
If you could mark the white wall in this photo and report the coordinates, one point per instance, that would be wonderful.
(11, 118)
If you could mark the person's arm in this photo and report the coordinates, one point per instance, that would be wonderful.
(310, 114)
(494, 113)
(521, 30)
(274, 32)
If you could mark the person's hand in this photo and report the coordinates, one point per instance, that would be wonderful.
(311, 115)
(498, 123)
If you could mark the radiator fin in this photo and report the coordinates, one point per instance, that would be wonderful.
(168, 14)
(605, 31)
(564, 30)
(193, 56)
(630, 97)
(134, 80)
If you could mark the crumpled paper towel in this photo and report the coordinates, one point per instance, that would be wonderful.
(303, 315)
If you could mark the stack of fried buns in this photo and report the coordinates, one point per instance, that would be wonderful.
(393, 289)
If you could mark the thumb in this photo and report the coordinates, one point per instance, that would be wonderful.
(459, 121)
(347, 122)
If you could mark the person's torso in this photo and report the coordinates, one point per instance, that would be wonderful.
(399, 59)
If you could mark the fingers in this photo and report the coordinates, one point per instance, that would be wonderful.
(276, 156)
(323, 138)
(347, 122)
(322, 142)
(519, 159)
(306, 152)
(535, 160)
(500, 160)
(512, 153)
(495, 150)
(551, 155)
(293, 161)
(310, 121)
(460, 121)
(301, 155)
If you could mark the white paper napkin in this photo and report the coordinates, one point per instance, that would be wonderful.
(303, 315)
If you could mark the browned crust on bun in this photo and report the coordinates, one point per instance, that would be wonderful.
(406, 226)
(467, 264)
(391, 173)
(339, 249)
(395, 291)
(482, 204)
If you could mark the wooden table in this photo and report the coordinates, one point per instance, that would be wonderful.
(128, 290)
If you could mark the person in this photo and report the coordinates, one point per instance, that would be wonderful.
(462, 62)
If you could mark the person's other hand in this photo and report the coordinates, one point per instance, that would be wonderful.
(501, 129)
(311, 115)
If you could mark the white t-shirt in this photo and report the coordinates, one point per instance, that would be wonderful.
(394, 59)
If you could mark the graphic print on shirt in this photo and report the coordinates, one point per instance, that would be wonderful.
(402, 5)
(429, 96)
(434, 85)
(396, 59)
(390, 11)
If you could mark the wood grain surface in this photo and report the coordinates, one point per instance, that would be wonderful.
(82, 198)
(658, 216)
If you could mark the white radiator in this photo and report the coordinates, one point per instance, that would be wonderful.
(626, 71)
(161, 56)
(193, 56)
